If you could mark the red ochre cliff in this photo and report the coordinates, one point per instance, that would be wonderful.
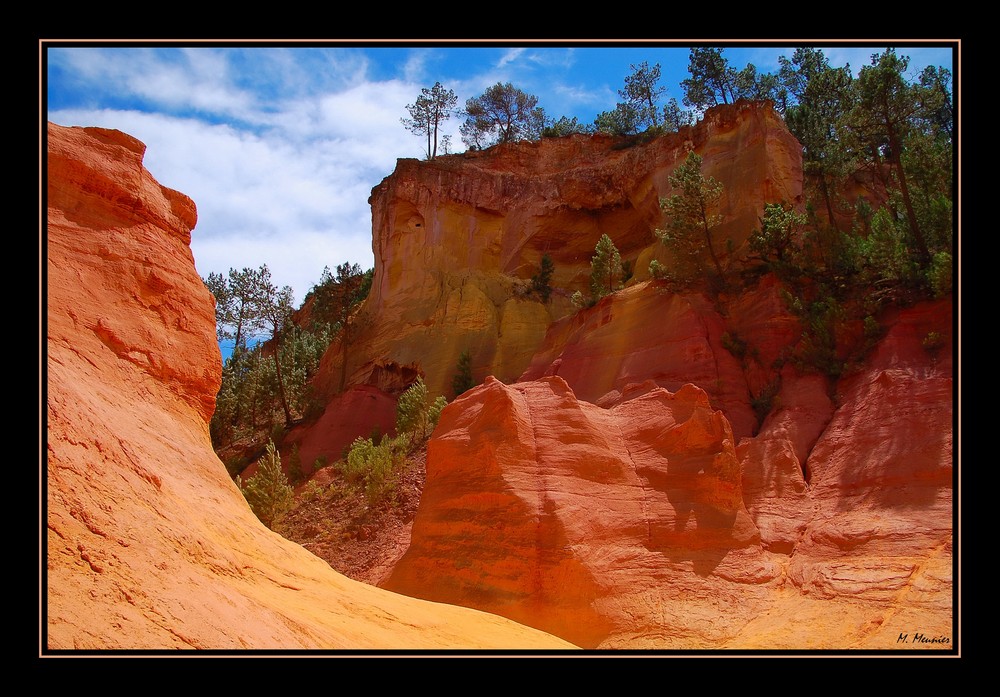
(649, 525)
(149, 543)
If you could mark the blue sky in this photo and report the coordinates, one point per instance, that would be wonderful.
(280, 145)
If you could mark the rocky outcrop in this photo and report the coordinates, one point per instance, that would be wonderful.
(644, 525)
(609, 527)
(646, 332)
(149, 544)
(456, 239)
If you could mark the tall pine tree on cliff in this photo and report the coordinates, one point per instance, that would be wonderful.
(689, 214)
(605, 269)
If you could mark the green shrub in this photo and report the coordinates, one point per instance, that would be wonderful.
(268, 491)
(541, 280)
(463, 380)
(932, 342)
(295, 465)
(434, 411)
(939, 275)
(411, 410)
(374, 469)
(763, 402)
(735, 345)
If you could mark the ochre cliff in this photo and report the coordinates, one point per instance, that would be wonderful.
(609, 527)
(648, 525)
(149, 543)
(457, 238)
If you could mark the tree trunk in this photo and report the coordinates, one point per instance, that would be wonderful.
(826, 198)
(281, 386)
(708, 241)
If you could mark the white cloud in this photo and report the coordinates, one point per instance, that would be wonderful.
(510, 55)
(291, 203)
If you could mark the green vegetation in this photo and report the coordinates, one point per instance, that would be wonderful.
(334, 300)
(373, 464)
(691, 215)
(564, 126)
(463, 380)
(374, 467)
(606, 272)
(432, 108)
(502, 114)
(640, 111)
(416, 415)
(266, 387)
(605, 269)
(268, 491)
(540, 282)
(713, 81)
(763, 402)
(892, 134)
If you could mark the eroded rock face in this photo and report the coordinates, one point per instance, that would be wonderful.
(642, 524)
(150, 545)
(881, 478)
(646, 333)
(609, 527)
(355, 413)
(457, 238)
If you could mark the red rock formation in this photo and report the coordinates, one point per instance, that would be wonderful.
(881, 477)
(645, 332)
(149, 544)
(640, 525)
(609, 527)
(456, 238)
(346, 417)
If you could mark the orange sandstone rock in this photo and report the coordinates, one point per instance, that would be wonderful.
(609, 527)
(644, 333)
(640, 525)
(881, 478)
(149, 544)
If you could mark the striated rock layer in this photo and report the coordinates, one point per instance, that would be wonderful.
(149, 544)
(457, 238)
(644, 525)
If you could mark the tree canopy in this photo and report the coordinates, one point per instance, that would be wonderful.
(502, 114)
(433, 107)
(691, 213)
(642, 93)
(712, 80)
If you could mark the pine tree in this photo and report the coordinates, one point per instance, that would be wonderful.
(642, 93)
(605, 269)
(268, 491)
(433, 107)
(540, 281)
(463, 380)
(688, 232)
(502, 114)
(411, 410)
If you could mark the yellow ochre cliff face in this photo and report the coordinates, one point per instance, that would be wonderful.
(456, 239)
